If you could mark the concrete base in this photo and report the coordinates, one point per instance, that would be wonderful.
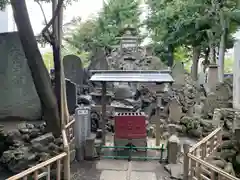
(72, 155)
(80, 154)
(89, 149)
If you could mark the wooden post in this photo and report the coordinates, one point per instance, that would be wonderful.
(104, 91)
(66, 161)
(186, 161)
(219, 137)
(204, 150)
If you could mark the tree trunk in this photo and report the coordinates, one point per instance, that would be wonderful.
(206, 59)
(196, 55)
(56, 57)
(38, 70)
(222, 48)
(64, 107)
(60, 88)
(170, 56)
(212, 54)
(221, 57)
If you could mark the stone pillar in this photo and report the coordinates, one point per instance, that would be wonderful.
(236, 125)
(172, 129)
(212, 77)
(173, 149)
(217, 115)
(78, 134)
(89, 149)
(236, 76)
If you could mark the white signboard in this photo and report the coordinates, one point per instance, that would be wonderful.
(82, 112)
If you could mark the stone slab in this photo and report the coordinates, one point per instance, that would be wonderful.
(144, 166)
(113, 175)
(135, 175)
(120, 165)
(176, 170)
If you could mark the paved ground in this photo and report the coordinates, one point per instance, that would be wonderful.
(122, 169)
(119, 170)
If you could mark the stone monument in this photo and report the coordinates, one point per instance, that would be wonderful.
(212, 77)
(178, 73)
(73, 69)
(18, 94)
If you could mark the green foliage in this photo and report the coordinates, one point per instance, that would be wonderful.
(179, 23)
(102, 30)
(48, 60)
(191, 22)
(48, 57)
(3, 4)
(228, 65)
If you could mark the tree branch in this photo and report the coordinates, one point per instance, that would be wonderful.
(59, 6)
(44, 16)
(47, 34)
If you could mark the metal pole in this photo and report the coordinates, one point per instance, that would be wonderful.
(104, 91)
(157, 121)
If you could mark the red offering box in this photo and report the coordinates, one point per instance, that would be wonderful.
(130, 125)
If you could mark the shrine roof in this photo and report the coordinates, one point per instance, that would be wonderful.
(132, 76)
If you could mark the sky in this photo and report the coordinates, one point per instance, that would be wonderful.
(83, 9)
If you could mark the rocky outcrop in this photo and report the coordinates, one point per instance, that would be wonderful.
(227, 156)
(27, 146)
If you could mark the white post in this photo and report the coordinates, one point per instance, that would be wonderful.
(236, 76)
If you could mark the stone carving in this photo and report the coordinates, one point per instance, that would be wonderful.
(98, 60)
(178, 73)
(73, 69)
(132, 57)
(219, 97)
(17, 93)
(175, 111)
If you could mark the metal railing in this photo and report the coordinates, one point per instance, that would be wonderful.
(195, 165)
(58, 164)
(130, 156)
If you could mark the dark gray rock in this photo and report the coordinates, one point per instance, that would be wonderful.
(44, 139)
(27, 146)
(71, 92)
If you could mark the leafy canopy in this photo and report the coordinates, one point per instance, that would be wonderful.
(102, 30)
